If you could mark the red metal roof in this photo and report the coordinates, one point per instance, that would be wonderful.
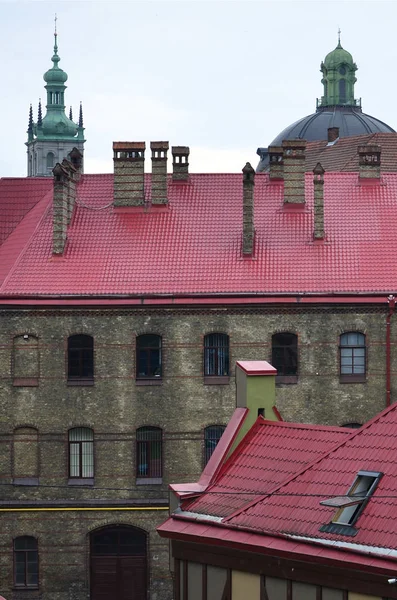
(193, 246)
(256, 367)
(294, 508)
(268, 455)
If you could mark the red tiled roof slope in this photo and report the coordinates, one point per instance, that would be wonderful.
(193, 246)
(268, 455)
(294, 508)
(343, 155)
(17, 198)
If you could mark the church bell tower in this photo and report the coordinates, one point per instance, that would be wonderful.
(53, 137)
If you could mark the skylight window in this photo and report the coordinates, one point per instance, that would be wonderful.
(350, 506)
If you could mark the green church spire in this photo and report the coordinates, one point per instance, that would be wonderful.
(338, 71)
(54, 136)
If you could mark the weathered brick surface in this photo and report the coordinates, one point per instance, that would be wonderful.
(115, 406)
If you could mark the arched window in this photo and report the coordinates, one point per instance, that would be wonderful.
(25, 463)
(148, 356)
(216, 355)
(50, 160)
(81, 358)
(285, 356)
(26, 562)
(342, 91)
(149, 461)
(81, 453)
(352, 357)
(212, 435)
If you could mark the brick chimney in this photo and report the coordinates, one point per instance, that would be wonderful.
(159, 172)
(60, 208)
(180, 163)
(333, 134)
(248, 209)
(294, 171)
(276, 163)
(129, 167)
(76, 158)
(369, 162)
(318, 180)
(71, 187)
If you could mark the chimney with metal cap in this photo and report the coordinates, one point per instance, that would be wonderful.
(180, 163)
(294, 171)
(369, 162)
(159, 172)
(276, 163)
(129, 167)
(318, 181)
(248, 209)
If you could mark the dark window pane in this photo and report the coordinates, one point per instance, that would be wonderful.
(148, 352)
(285, 353)
(80, 356)
(216, 354)
(212, 435)
(149, 452)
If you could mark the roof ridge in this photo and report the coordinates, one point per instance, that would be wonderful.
(310, 426)
(312, 464)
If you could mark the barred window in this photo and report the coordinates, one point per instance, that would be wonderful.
(216, 354)
(212, 435)
(81, 453)
(148, 356)
(149, 461)
(352, 356)
(26, 562)
(80, 357)
(285, 354)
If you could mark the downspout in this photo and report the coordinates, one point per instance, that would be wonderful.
(392, 303)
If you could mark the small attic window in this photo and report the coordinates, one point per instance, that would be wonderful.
(349, 507)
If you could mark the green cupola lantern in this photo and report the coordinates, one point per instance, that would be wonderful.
(338, 69)
(54, 136)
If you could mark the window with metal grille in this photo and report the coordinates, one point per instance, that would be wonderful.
(80, 357)
(149, 460)
(352, 357)
(26, 562)
(212, 435)
(216, 355)
(81, 453)
(285, 354)
(148, 356)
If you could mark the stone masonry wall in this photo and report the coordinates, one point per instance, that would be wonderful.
(115, 406)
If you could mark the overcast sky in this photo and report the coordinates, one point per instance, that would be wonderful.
(221, 77)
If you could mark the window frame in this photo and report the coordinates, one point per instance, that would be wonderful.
(81, 478)
(218, 377)
(283, 377)
(80, 379)
(352, 377)
(207, 456)
(151, 378)
(352, 500)
(25, 585)
(154, 475)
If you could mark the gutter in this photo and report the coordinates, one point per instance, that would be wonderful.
(392, 304)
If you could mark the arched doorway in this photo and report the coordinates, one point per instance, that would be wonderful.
(118, 563)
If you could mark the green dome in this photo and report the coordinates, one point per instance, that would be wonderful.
(57, 125)
(337, 57)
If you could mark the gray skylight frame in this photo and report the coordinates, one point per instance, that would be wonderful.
(350, 500)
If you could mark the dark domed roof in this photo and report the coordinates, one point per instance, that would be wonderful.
(350, 120)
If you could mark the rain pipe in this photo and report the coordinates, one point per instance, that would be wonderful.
(392, 304)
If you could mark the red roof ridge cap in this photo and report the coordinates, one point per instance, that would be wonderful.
(309, 426)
